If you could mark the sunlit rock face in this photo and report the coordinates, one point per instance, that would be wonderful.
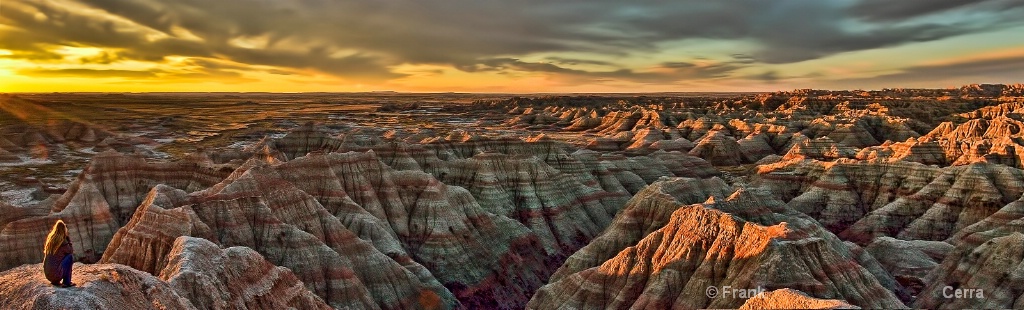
(792, 299)
(646, 211)
(744, 240)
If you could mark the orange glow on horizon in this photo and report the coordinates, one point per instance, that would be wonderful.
(85, 69)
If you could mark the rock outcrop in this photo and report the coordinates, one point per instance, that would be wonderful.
(238, 277)
(909, 261)
(102, 199)
(864, 200)
(253, 208)
(100, 286)
(736, 242)
(200, 275)
(719, 149)
(982, 270)
(508, 208)
(646, 211)
(986, 276)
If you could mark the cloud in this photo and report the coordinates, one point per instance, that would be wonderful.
(66, 26)
(665, 73)
(888, 11)
(364, 40)
(769, 76)
(33, 55)
(103, 58)
(195, 70)
(576, 61)
(79, 72)
(1004, 69)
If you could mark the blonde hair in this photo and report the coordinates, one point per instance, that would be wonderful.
(55, 239)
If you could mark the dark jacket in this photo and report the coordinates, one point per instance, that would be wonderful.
(51, 263)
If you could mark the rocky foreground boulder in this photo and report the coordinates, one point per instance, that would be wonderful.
(100, 286)
(200, 275)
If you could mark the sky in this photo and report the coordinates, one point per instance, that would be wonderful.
(517, 46)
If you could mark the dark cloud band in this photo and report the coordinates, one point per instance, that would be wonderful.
(365, 40)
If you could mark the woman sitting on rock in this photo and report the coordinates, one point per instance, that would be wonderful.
(57, 255)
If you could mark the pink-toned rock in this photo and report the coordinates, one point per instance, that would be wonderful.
(719, 149)
(233, 278)
(981, 275)
(754, 147)
(102, 199)
(290, 229)
(680, 144)
(864, 200)
(100, 286)
(647, 210)
(436, 222)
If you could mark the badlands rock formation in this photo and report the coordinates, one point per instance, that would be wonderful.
(808, 198)
(861, 200)
(238, 277)
(43, 140)
(381, 237)
(102, 199)
(984, 264)
(744, 240)
(253, 208)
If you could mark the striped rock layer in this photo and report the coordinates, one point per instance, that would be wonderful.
(101, 200)
(744, 240)
(862, 200)
(984, 267)
(464, 222)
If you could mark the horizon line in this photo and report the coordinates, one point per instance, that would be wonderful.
(503, 93)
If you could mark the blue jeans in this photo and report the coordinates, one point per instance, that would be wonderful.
(65, 268)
